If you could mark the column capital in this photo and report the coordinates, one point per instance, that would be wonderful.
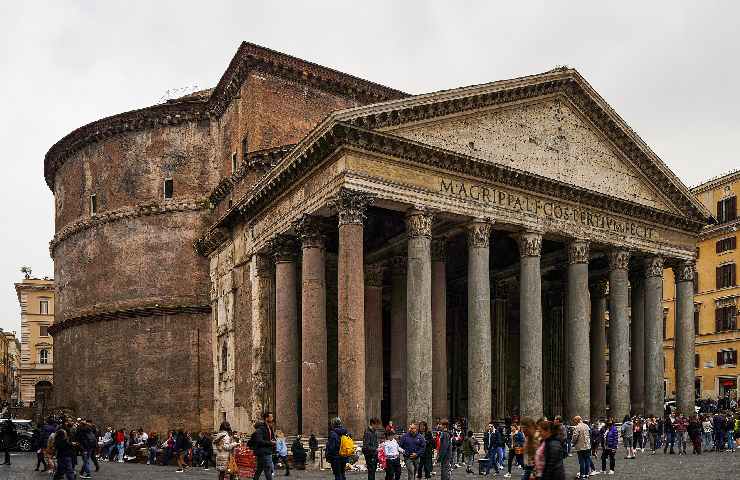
(619, 259)
(262, 265)
(310, 231)
(398, 265)
(439, 249)
(283, 248)
(479, 233)
(351, 205)
(599, 288)
(374, 274)
(419, 223)
(654, 266)
(578, 251)
(530, 244)
(684, 270)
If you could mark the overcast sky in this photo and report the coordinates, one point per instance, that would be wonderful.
(668, 68)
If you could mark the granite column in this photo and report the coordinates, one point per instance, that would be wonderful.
(440, 406)
(654, 336)
(530, 319)
(577, 331)
(479, 325)
(287, 345)
(398, 340)
(637, 340)
(419, 316)
(373, 339)
(598, 349)
(619, 334)
(314, 396)
(685, 336)
(351, 208)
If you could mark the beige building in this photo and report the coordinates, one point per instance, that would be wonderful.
(36, 298)
(717, 296)
(9, 365)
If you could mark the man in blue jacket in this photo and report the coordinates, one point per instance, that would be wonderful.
(444, 456)
(413, 446)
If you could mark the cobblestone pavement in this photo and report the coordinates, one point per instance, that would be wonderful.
(709, 466)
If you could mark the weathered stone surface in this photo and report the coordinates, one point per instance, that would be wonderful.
(577, 331)
(637, 347)
(398, 340)
(685, 337)
(598, 349)
(530, 320)
(619, 334)
(373, 339)
(419, 317)
(547, 138)
(479, 325)
(654, 336)
(440, 404)
(287, 351)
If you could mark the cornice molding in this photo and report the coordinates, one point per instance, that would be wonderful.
(125, 213)
(136, 312)
(192, 108)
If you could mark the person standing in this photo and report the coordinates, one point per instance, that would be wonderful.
(337, 461)
(444, 455)
(119, 438)
(652, 429)
(65, 455)
(262, 443)
(611, 443)
(7, 437)
(413, 446)
(370, 443)
(718, 426)
(531, 444)
(88, 442)
(392, 452)
(425, 462)
(554, 454)
(313, 446)
(516, 452)
(281, 447)
(669, 433)
(627, 437)
(694, 431)
(582, 445)
(182, 445)
(706, 433)
(682, 436)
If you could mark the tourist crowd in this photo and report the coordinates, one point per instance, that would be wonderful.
(536, 448)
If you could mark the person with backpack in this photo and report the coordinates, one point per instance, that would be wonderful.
(627, 437)
(262, 443)
(88, 442)
(470, 449)
(370, 444)
(336, 455)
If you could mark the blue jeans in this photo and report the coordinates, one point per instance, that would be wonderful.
(491, 461)
(527, 472)
(65, 469)
(500, 456)
(86, 461)
(120, 448)
(583, 462)
(731, 440)
(706, 440)
(152, 455)
(264, 464)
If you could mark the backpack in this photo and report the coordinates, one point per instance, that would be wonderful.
(346, 446)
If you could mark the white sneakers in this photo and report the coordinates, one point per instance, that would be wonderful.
(611, 472)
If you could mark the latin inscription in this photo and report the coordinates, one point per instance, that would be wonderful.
(517, 202)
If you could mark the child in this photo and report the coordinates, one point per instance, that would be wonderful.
(470, 448)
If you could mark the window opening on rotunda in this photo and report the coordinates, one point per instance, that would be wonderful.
(93, 204)
(168, 188)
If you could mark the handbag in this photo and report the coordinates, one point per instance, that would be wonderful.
(231, 467)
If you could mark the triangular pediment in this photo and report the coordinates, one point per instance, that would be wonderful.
(547, 137)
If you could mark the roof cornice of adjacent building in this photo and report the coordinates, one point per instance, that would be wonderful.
(213, 102)
(717, 181)
(712, 231)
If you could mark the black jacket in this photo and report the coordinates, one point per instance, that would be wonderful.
(370, 442)
(554, 469)
(261, 440)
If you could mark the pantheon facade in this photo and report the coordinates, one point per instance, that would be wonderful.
(354, 250)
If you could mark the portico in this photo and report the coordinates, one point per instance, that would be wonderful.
(481, 235)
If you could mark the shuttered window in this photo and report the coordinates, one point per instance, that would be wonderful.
(727, 357)
(726, 276)
(727, 210)
(725, 318)
(726, 244)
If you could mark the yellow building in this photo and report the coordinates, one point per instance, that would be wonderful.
(717, 296)
(36, 298)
